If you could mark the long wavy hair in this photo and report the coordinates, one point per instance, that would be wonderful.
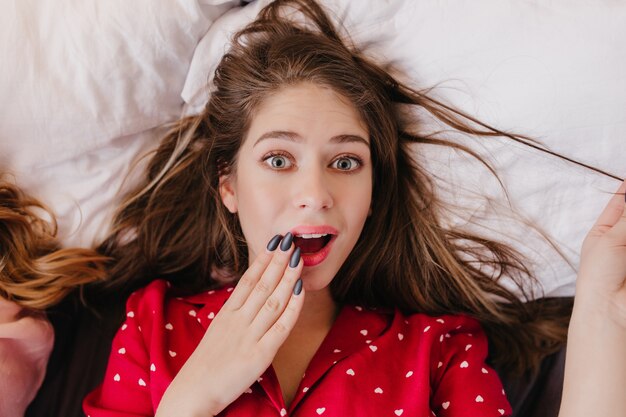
(35, 272)
(174, 225)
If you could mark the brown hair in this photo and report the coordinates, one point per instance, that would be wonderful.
(174, 226)
(34, 271)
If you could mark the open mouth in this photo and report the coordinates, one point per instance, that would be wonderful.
(312, 243)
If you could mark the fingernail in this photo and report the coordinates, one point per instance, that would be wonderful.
(274, 243)
(286, 243)
(297, 289)
(295, 258)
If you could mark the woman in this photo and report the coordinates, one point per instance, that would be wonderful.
(307, 143)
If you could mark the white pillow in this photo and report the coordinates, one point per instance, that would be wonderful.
(550, 70)
(77, 73)
(82, 85)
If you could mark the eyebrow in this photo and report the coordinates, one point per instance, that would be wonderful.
(294, 137)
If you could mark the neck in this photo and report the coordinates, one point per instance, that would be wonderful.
(319, 311)
(293, 357)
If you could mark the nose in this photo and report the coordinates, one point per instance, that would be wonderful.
(312, 190)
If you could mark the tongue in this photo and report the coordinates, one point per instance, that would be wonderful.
(310, 245)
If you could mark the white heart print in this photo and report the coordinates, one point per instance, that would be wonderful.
(320, 410)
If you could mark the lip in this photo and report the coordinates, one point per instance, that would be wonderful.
(312, 259)
(323, 229)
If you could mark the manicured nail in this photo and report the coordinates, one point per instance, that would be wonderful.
(295, 258)
(274, 243)
(286, 243)
(297, 289)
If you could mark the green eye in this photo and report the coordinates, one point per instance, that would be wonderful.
(278, 161)
(346, 163)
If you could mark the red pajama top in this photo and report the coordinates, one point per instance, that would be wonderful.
(371, 363)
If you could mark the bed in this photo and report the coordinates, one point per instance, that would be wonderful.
(87, 87)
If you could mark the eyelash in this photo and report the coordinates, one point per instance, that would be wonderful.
(354, 158)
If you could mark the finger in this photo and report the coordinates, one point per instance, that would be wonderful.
(252, 275)
(612, 212)
(617, 231)
(273, 339)
(269, 279)
(276, 303)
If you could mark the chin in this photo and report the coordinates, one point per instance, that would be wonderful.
(317, 280)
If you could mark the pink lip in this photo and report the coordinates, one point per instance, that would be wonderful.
(312, 259)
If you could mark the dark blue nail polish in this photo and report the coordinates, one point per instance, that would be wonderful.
(273, 244)
(286, 243)
(297, 289)
(295, 258)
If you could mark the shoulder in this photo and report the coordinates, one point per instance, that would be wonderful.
(446, 325)
(160, 296)
(20, 328)
(448, 336)
(419, 327)
(25, 344)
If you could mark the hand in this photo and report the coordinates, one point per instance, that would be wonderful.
(595, 363)
(241, 342)
(600, 287)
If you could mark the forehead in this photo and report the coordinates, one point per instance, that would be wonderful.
(307, 109)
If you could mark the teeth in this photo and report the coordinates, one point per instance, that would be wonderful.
(312, 235)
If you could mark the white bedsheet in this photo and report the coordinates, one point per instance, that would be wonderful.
(554, 70)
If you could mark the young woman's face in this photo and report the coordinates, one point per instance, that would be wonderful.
(305, 168)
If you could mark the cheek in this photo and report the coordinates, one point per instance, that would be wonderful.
(364, 207)
(357, 202)
(260, 195)
(259, 204)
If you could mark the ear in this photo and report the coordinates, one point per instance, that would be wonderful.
(227, 193)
